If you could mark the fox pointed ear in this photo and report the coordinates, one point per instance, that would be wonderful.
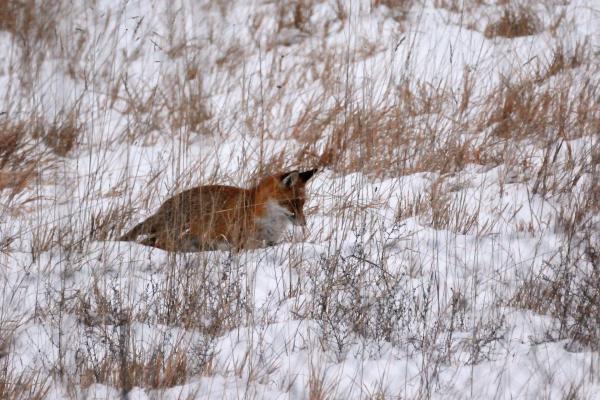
(306, 175)
(290, 179)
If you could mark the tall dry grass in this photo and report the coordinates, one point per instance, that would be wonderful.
(358, 295)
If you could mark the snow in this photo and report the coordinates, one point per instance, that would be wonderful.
(366, 301)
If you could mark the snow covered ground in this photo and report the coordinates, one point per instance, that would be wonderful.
(453, 239)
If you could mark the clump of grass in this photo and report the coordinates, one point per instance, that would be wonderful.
(16, 180)
(34, 27)
(178, 105)
(19, 160)
(114, 359)
(29, 19)
(23, 158)
(391, 138)
(33, 386)
(61, 135)
(440, 208)
(186, 105)
(193, 297)
(568, 286)
(568, 290)
(514, 22)
(398, 8)
(406, 133)
(412, 206)
(295, 15)
(357, 300)
(317, 387)
(450, 212)
(159, 371)
(458, 6)
(563, 60)
(519, 104)
(109, 224)
(12, 139)
(30, 383)
(354, 297)
(540, 113)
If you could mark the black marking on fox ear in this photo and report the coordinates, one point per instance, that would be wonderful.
(306, 175)
(290, 178)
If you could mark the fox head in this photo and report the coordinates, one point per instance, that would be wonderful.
(286, 193)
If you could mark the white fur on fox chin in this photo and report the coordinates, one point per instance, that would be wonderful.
(274, 222)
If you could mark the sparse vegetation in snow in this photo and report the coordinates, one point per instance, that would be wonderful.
(452, 246)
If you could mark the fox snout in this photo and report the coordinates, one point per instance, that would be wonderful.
(298, 219)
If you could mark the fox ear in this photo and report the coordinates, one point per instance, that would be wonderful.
(290, 179)
(306, 175)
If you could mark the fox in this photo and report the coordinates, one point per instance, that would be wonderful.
(220, 217)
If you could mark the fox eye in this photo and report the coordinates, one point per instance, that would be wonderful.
(295, 205)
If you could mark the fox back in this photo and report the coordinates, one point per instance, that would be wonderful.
(221, 217)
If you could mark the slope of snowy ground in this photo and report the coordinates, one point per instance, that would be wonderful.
(452, 247)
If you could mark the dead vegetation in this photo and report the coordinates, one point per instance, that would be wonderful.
(29, 146)
(30, 21)
(567, 287)
(178, 105)
(399, 9)
(529, 123)
(60, 135)
(19, 163)
(514, 22)
(412, 133)
(563, 59)
(110, 352)
(33, 386)
(459, 6)
(133, 370)
(526, 110)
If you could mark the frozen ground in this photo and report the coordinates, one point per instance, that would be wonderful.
(452, 247)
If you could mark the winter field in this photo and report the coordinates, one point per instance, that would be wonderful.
(453, 242)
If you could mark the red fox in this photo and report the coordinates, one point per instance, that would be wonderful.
(217, 217)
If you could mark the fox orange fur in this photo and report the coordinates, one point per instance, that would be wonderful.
(222, 217)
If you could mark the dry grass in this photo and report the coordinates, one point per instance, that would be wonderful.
(186, 105)
(30, 21)
(120, 362)
(450, 212)
(570, 292)
(210, 299)
(61, 135)
(443, 207)
(19, 163)
(317, 388)
(24, 386)
(12, 144)
(176, 106)
(34, 26)
(160, 371)
(27, 384)
(568, 286)
(399, 8)
(563, 60)
(411, 132)
(363, 288)
(514, 22)
(540, 113)
(22, 155)
(459, 6)
(395, 138)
